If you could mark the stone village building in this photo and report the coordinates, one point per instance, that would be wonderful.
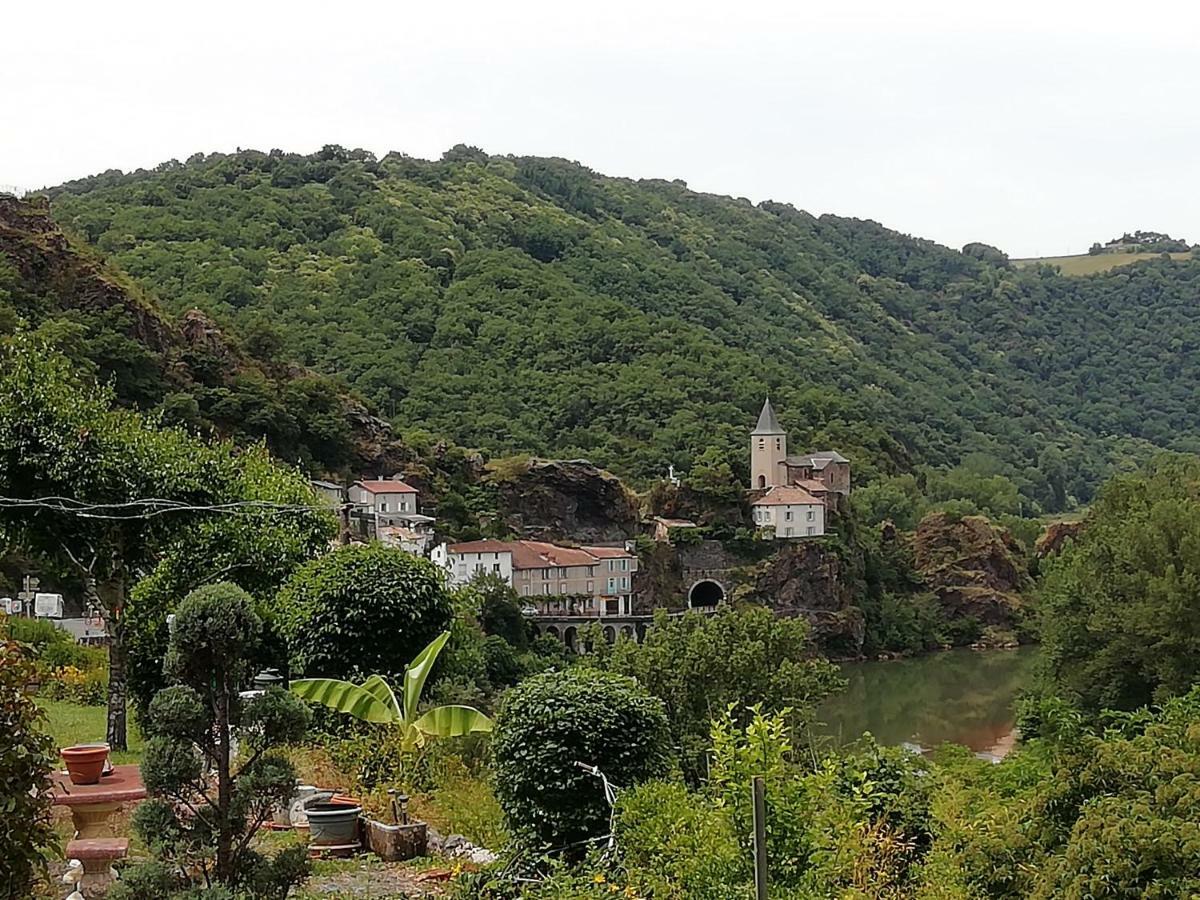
(797, 492)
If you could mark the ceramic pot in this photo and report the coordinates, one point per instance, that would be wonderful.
(333, 823)
(85, 762)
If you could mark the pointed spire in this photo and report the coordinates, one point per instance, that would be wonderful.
(767, 423)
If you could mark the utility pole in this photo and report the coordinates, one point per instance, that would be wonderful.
(344, 525)
(760, 838)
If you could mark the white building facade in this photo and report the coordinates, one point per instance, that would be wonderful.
(789, 512)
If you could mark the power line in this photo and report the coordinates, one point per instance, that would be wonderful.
(150, 507)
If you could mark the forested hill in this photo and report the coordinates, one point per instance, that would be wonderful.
(527, 304)
(186, 369)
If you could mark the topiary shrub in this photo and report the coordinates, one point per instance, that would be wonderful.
(202, 825)
(361, 610)
(550, 722)
(26, 758)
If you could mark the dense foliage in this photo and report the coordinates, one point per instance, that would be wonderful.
(526, 304)
(361, 610)
(202, 826)
(1119, 604)
(26, 760)
(551, 722)
(701, 664)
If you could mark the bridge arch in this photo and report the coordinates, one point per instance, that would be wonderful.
(706, 594)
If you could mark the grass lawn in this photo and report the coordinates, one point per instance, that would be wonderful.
(1086, 264)
(70, 723)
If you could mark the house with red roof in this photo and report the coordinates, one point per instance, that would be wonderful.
(789, 511)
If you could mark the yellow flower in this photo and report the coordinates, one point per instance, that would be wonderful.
(598, 878)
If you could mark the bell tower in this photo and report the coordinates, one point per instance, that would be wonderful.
(768, 450)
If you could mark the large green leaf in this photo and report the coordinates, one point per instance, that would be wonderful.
(344, 697)
(416, 673)
(378, 688)
(453, 721)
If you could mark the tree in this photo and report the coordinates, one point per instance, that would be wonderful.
(202, 822)
(26, 760)
(1119, 605)
(548, 724)
(375, 701)
(699, 665)
(362, 609)
(258, 550)
(500, 610)
(79, 474)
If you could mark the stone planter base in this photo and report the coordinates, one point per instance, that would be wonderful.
(395, 843)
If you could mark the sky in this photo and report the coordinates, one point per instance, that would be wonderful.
(1039, 127)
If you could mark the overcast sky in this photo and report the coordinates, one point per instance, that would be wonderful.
(1036, 126)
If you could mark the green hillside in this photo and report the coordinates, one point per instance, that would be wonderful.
(527, 304)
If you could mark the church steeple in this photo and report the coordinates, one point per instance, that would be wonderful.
(767, 423)
(768, 450)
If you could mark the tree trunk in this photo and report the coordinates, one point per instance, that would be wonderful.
(224, 787)
(111, 598)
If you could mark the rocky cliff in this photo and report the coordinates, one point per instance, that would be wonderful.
(973, 567)
(569, 500)
(1055, 537)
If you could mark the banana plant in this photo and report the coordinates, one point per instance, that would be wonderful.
(375, 701)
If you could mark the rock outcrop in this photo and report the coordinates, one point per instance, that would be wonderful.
(569, 500)
(975, 568)
(807, 578)
(1056, 535)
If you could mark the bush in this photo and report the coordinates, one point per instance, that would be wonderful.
(26, 758)
(550, 722)
(50, 645)
(87, 688)
(203, 826)
(361, 610)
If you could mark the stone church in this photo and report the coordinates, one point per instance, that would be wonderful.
(823, 475)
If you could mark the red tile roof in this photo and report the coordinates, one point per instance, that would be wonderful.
(787, 496)
(541, 555)
(386, 487)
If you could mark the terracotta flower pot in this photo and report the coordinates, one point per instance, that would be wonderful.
(85, 762)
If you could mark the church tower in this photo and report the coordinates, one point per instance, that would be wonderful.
(768, 450)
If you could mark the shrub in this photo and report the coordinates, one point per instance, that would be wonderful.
(361, 610)
(50, 645)
(552, 721)
(87, 688)
(26, 758)
(204, 826)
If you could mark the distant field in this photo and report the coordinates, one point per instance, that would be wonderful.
(1084, 264)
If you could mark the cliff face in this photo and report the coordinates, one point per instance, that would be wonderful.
(570, 500)
(1055, 537)
(974, 568)
(808, 578)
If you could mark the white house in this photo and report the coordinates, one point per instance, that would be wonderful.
(333, 495)
(464, 561)
(789, 512)
(384, 500)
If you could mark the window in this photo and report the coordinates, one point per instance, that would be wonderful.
(562, 573)
(762, 443)
(525, 590)
(788, 532)
(546, 574)
(383, 506)
(546, 589)
(612, 585)
(624, 565)
(591, 588)
(562, 588)
(787, 516)
(495, 567)
(625, 582)
(778, 443)
(403, 506)
(812, 515)
(812, 529)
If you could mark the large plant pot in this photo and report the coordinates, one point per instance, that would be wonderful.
(333, 824)
(85, 762)
(396, 843)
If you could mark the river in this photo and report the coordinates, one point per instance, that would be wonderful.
(958, 696)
